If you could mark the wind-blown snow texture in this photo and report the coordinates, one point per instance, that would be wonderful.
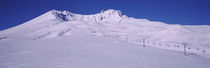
(109, 39)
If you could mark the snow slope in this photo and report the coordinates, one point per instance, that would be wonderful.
(89, 51)
(109, 39)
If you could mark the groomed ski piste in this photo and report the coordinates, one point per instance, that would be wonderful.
(109, 39)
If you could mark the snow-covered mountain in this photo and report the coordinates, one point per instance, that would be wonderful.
(110, 24)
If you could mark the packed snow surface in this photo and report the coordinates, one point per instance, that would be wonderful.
(109, 39)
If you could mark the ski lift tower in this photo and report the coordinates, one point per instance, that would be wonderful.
(185, 46)
(143, 42)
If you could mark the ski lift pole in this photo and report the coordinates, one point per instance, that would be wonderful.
(143, 42)
(185, 46)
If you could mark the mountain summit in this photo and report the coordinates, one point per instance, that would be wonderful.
(112, 14)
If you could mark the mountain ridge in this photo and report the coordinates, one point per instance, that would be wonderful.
(111, 13)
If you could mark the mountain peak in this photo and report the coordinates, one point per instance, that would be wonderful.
(108, 14)
(112, 12)
(62, 15)
(61, 12)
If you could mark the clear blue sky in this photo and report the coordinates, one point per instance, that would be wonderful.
(186, 12)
